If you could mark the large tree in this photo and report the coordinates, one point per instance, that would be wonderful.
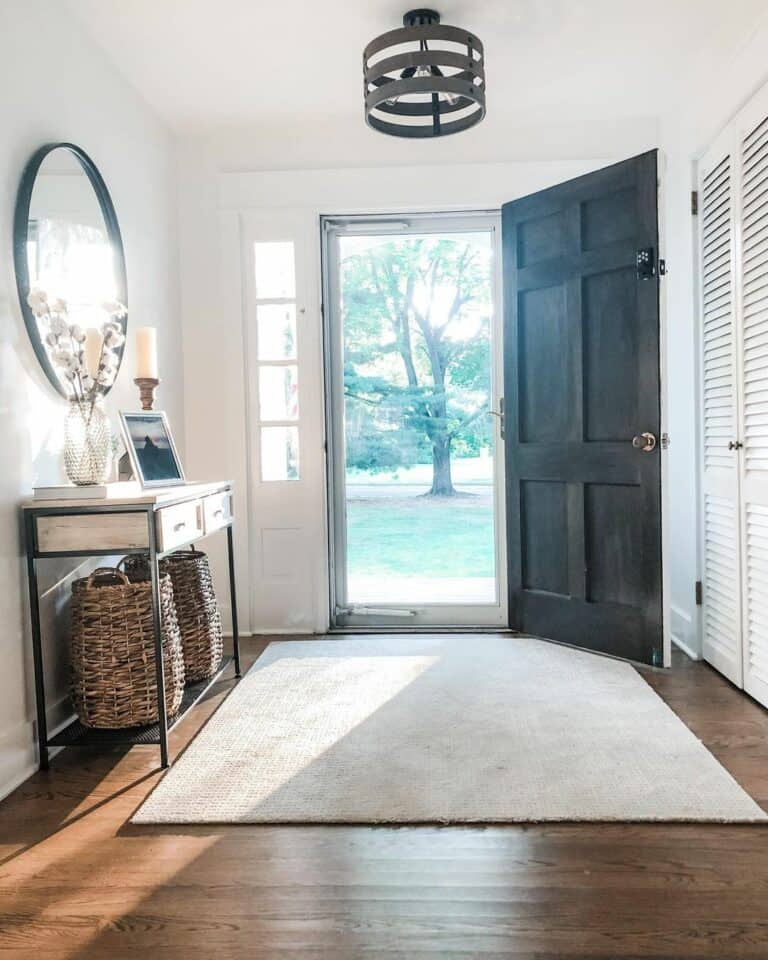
(417, 326)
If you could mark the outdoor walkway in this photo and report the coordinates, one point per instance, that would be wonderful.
(420, 590)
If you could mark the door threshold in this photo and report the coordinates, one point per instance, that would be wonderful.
(507, 631)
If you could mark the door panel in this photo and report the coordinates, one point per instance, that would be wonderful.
(752, 305)
(610, 355)
(721, 639)
(544, 513)
(581, 380)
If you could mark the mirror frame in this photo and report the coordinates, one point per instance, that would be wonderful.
(21, 233)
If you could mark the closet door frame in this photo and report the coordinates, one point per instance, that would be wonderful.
(749, 485)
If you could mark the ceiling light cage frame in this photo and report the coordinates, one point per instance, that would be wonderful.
(425, 79)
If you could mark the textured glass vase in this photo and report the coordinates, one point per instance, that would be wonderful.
(87, 443)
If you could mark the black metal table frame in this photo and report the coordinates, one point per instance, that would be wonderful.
(34, 554)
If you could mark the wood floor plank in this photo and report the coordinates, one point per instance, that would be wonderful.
(78, 881)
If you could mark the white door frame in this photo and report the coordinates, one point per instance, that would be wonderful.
(264, 205)
(384, 615)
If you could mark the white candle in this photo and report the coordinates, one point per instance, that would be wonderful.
(146, 353)
(92, 350)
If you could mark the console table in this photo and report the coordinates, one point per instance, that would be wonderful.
(156, 522)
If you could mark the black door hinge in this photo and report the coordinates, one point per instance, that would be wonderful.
(694, 203)
(699, 593)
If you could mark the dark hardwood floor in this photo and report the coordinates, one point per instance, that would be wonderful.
(76, 881)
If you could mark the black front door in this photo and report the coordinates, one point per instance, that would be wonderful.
(582, 387)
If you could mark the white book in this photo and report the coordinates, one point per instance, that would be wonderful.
(91, 491)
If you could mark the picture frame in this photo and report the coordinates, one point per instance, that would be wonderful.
(156, 463)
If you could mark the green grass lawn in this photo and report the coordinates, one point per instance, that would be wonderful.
(421, 536)
(463, 470)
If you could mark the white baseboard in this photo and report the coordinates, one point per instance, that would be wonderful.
(7, 788)
(691, 654)
(18, 747)
(684, 632)
(680, 614)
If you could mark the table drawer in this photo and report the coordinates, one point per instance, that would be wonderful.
(217, 510)
(179, 524)
(92, 531)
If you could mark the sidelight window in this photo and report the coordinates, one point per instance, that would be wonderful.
(277, 352)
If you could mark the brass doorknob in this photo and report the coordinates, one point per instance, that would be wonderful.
(645, 442)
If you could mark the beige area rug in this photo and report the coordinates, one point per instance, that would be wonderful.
(443, 728)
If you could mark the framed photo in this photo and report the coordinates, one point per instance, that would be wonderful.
(149, 442)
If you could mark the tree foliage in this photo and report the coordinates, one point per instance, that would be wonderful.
(416, 314)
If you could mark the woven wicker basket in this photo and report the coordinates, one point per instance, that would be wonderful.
(113, 653)
(196, 608)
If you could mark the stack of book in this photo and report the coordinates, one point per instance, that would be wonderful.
(91, 491)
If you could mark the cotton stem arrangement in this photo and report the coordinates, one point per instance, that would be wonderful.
(88, 359)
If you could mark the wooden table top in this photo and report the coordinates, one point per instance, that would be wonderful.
(119, 497)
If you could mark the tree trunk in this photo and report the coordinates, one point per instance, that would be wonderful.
(442, 485)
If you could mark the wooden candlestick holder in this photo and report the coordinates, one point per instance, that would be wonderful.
(147, 387)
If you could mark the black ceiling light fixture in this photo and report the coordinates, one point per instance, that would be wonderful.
(424, 79)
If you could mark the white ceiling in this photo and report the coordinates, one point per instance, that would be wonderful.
(285, 77)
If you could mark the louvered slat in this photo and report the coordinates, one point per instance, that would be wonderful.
(717, 299)
(753, 288)
(756, 641)
(722, 620)
(721, 612)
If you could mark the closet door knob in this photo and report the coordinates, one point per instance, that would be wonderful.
(735, 445)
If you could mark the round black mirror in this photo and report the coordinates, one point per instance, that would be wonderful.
(70, 265)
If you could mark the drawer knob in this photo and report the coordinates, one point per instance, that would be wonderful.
(180, 525)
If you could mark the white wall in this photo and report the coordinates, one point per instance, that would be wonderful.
(57, 85)
(221, 182)
(684, 134)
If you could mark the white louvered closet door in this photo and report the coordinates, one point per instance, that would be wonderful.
(721, 581)
(752, 310)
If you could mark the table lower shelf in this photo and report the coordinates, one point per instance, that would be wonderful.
(78, 735)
